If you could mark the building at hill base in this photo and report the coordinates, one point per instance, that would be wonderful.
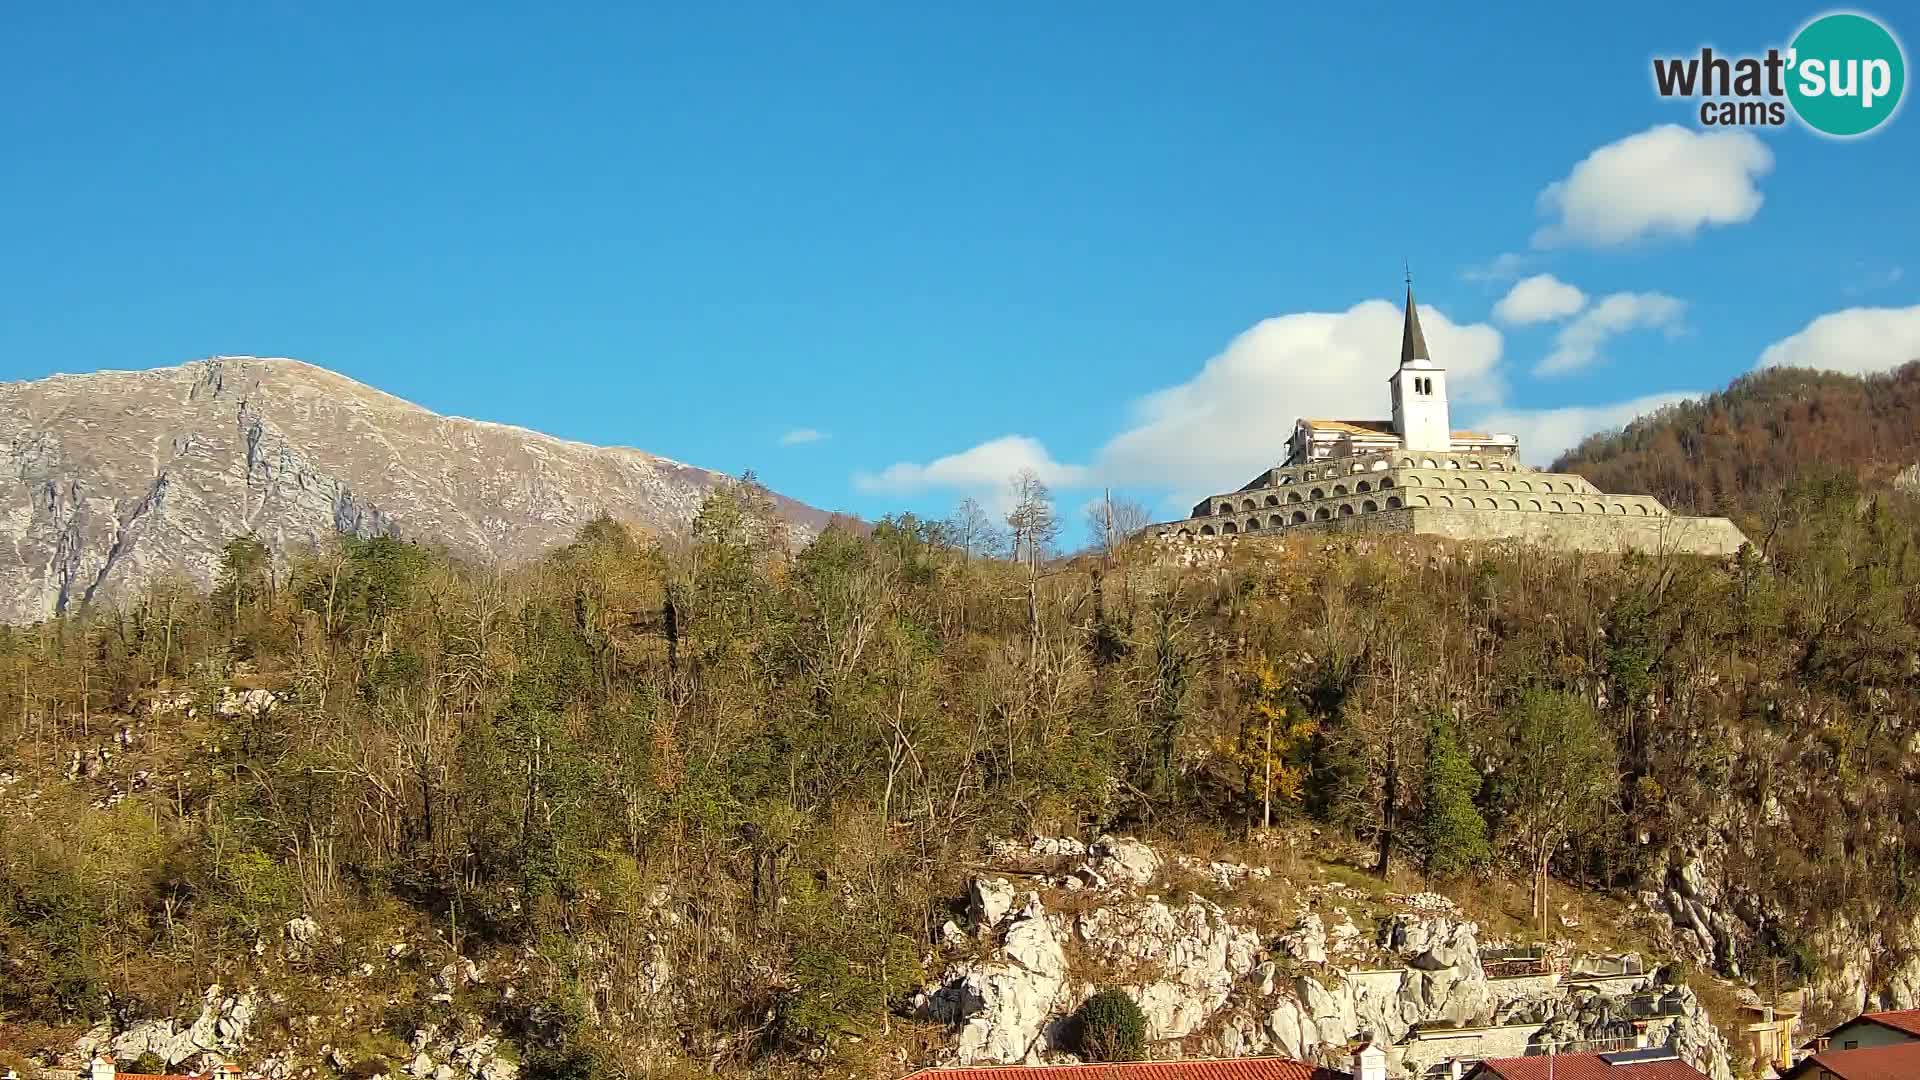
(1415, 474)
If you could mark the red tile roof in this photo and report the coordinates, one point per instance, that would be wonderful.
(1584, 1067)
(1907, 1020)
(1900, 1061)
(1228, 1069)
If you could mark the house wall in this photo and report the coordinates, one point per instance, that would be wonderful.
(1424, 1054)
(1866, 1033)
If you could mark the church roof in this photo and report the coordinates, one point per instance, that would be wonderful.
(1352, 427)
(1413, 343)
(1381, 427)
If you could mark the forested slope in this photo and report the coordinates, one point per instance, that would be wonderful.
(712, 799)
(1732, 452)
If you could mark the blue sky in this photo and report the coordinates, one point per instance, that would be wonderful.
(950, 242)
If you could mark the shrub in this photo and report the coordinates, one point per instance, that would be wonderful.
(1111, 1028)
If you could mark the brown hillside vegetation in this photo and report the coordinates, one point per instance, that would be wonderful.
(767, 773)
(1732, 452)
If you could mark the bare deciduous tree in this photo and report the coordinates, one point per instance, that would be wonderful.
(973, 531)
(1111, 522)
(1032, 521)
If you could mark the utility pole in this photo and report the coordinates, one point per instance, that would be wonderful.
(1109, 536)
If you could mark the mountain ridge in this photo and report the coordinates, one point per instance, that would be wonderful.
(1732, 451)
(122, 477)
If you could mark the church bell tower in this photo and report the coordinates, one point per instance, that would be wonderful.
(1419, 390)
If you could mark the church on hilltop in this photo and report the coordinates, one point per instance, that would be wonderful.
(1415, 474)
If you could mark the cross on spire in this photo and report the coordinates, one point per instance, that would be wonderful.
(1413, 343)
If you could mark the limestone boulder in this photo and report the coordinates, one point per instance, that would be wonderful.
(999, 1009)
(1190, 958)
(988, 901)
(1306, 940)
(1122, 860)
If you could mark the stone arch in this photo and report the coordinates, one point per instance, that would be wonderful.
(1533, 504)
(1378, 464)
(1339, 489)
(1406, 463)
(1556, 507)
(1503, 485)
(1459, 482)
(1317, 494)
(1446, 503)
(1386, 482)
(1641, 508)
(1253, 523)
(1273, 500)
(1362, 487)
(1523, 485)
(1577, 508)
(1286, 478)
(1228, 528)
(1186, 534)
(1393, 502)
(1450, 463)
(1368, 507)
(1206, 530)
(1617, 508)
(1357, 467)
(1509, 504)
(1346, 509)
(1246, 504)
(1496, 466)
(1299, 517)
(1466, 503)
(1276, 521)
(1481, 484)
(1226, 508)
(1321, 514)
(1428, 463)
(1293, 496)
(1474, 463)
(1422, 500)
(1413, 480)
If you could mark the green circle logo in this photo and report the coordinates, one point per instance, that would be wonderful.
(1847, 72)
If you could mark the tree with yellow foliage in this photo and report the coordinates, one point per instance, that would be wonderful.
(1272, 742)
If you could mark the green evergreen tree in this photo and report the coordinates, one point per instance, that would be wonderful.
(1112, 1028)
(1454, 833)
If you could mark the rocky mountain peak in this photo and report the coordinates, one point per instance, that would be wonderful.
(111, 480)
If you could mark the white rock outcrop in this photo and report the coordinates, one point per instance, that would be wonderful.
(1209, 984)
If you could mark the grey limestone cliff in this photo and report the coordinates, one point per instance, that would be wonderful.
(112, 480)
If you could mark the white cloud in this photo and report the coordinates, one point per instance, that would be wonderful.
(1234, 416)
(1502, 267)
(1857, 340)
(1540, 298)
(1579, 342)
(985, 470)
(1665, 181)
(1546, 433)
(802, 436)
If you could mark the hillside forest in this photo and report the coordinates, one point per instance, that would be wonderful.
(799, 753)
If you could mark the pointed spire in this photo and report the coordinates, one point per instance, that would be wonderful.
(1413, 344)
